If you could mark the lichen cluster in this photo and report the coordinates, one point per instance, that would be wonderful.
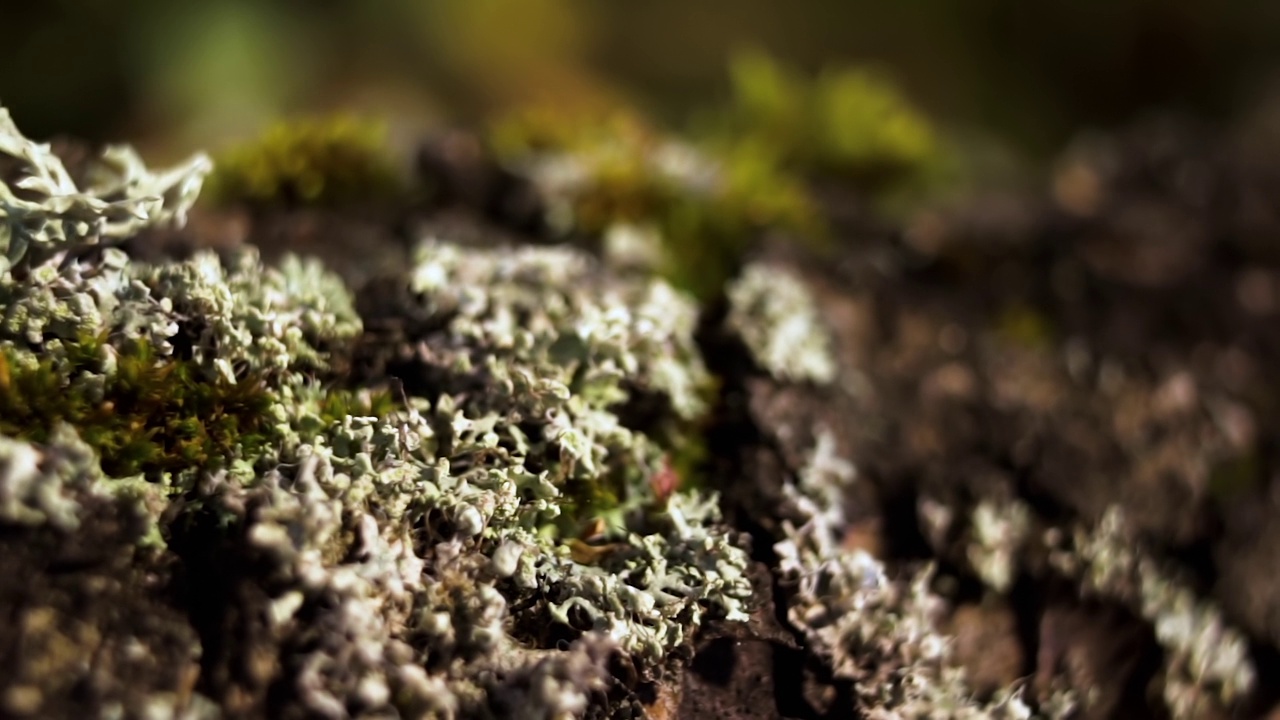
(774, 314)
(45, 214)
(882, 633)
(476, 486)
(442, 546)
(40, 482)
(1207, 666)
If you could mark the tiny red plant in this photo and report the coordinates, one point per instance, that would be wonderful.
(664, 482)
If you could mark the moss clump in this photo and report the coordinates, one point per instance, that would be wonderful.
(338, 403)
(148, 416)
(600, 171)
(1025, 326)
(851, 122)
(314, 162)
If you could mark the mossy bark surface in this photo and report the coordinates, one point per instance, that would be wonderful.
(1008, 459)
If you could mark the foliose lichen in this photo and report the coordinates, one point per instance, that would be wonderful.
(442, 546)
(466, 510)
(45, 214)
(38, 484)
(1207, 665)
(879, 632)
(773, 312)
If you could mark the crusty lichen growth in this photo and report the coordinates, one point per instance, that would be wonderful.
(38, 484)
(141, 361)
(585, 337)
(773, 312)
(465, 509)
(438, 547)
(878, 632)
(163, 368)
(1207, 662)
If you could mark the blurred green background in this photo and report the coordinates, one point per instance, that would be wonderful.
(173, 76)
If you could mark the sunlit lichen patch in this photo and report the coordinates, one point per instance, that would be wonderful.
(478, 486)
(880, 632)
(1207, 664)
(43, 214)
(775, 316)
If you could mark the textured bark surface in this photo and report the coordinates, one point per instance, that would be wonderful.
(1104, 343)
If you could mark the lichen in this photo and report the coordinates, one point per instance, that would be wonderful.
(442, 544)
(774, 313)
(39, 483)
(461, 561)
(1000, 530)
(1207, 665)
(879, 632)
(240, 313)
(45, 214)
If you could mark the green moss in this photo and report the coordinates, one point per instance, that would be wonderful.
(613, 150)
(707, 236)
(1231, 478)
(338, 403)
(317, 162)
(602, 170)
(147, 416)
(851, 121)
(1025, 326)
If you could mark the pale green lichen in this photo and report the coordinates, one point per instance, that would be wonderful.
(775, 315)
(1207, 664)
(558, 331)
(487, 477)
(40, 484)
(564, 350)
(1000, 530)
(433, 547)
(267, 318)
(240, 312)
(45, 214)
(48, 483)
(878, 632)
